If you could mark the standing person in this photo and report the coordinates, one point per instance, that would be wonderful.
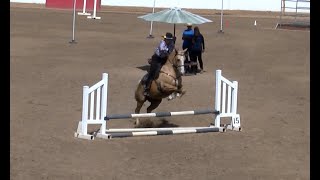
(158, 59)
(197, 49)
(187, 36)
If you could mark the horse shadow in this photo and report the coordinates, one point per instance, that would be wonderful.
(144, 67)
(164, 123)
(161, 123)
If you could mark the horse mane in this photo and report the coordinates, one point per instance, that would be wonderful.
(172, 55)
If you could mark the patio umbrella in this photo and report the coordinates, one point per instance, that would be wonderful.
(175, 16)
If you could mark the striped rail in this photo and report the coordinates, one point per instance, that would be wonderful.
(160, 114)
(114, 133)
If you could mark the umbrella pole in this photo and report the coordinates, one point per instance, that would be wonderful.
(174, 34)
(150, 33)
(221, 18)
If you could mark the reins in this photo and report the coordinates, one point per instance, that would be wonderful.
(175, 67)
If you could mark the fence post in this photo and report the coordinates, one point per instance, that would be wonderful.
(104, 103)
(85, 99)
(218, 97)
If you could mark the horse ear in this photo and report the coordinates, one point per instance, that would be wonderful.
(185, 50)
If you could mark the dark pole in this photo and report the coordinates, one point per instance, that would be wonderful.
(73, 22)
(221, 18)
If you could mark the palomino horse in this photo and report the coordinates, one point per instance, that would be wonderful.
(166, 85)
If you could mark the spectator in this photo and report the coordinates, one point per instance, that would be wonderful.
(196, 50)
(187, 43)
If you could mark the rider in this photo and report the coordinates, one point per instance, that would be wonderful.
(158, 59)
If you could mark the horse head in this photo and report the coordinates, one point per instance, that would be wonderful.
(178, 59)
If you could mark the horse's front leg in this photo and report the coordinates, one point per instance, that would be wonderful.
(173, 90)
(168, 87)
(180, 90)
(154, 104)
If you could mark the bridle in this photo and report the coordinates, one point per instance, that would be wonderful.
(176, 67)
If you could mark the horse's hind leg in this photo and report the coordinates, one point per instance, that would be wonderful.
(154, 104)
(140, 98)
(137, 110)
(139, 106)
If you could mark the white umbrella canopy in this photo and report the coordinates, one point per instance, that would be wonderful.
(175, 16)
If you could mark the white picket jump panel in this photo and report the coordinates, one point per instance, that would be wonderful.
(95, 113)
(232, 99)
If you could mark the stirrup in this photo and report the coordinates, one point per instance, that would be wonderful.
(146, 92)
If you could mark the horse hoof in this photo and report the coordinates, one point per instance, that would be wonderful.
(182, 93)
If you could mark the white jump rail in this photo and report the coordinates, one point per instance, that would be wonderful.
(96, 113)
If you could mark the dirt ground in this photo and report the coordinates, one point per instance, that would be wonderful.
(48, 73)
